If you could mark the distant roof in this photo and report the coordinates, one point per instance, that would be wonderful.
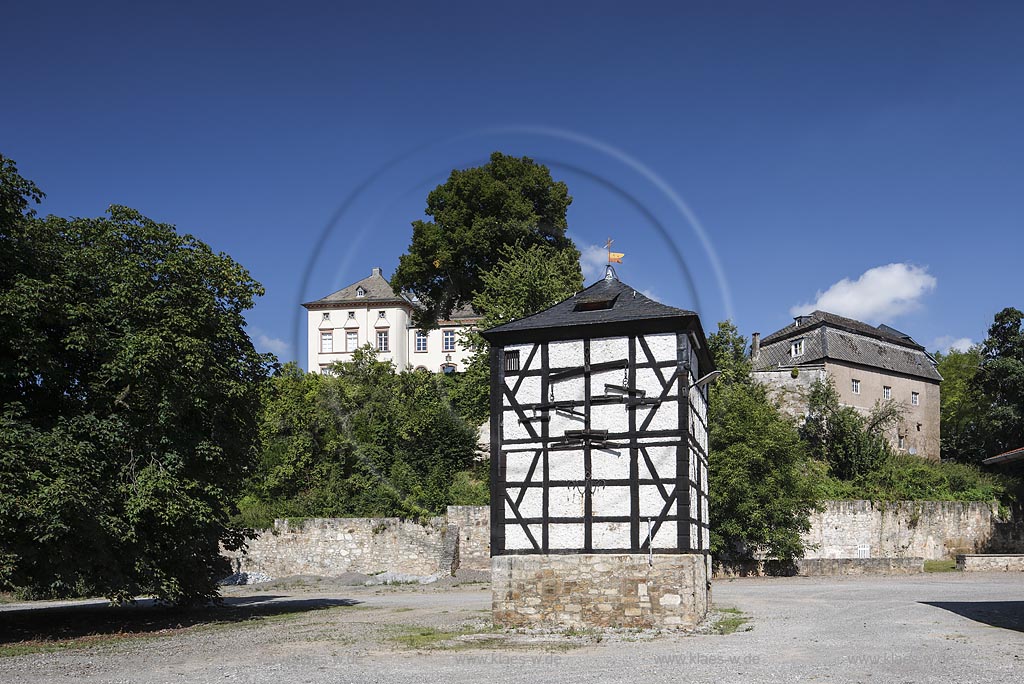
(832, 337)
(817, 318)
(375, 290)
(1014, 457)
(608, 307)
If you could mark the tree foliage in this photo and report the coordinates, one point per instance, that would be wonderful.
(1000, 379)
(522, 282)
(478, 211)
(128, 404)
(761, 481)
(962, 412)
(362, 440)
(983, 393)
(851, 443)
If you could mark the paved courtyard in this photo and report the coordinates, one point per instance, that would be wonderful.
(930, 628)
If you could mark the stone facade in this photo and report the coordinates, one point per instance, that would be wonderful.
(933, 530)
(602, 590)
(998, 562)
(868, 365)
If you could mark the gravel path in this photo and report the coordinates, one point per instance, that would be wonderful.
(929, 628)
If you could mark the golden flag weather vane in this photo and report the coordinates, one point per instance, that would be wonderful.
(613, 257)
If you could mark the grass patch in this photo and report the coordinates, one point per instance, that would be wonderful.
(730, 620)
(428, 638)
(421, 637)
(940, 566)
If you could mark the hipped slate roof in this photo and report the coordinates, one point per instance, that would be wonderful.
(377, 291)
(827, 336)
(606, 308)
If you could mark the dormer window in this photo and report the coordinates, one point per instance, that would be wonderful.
(360, 292)
(797, 348)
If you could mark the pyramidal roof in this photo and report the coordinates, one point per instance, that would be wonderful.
(608, 307)
(372, 289)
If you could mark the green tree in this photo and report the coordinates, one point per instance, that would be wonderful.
(850, 443)
(362, 440)
(962, 413)
(129, 393)
(521, 283)
(762, 484)
(478, 211)
(1000, 379)
(729, 349)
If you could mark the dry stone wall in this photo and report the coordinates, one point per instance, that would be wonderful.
(932, 530)
(998, 562)
(330, 547)
(461, 540)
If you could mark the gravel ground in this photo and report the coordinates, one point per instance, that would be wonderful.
(928, 628)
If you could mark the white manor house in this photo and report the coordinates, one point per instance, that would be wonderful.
(370, 312)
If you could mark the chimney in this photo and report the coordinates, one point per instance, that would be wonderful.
(755, 346)
(376, 271)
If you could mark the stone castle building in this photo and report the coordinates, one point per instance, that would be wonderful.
(868, 364)
(371, 312)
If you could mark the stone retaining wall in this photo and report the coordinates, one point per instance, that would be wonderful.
(816, 567)
(994, 562)
(858, 530)
(332, 546)
(600, 590)
(933, 530)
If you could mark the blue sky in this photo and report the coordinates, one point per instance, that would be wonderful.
(866, 158)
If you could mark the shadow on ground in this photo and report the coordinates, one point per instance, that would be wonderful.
(1005, 614)
(144, 617)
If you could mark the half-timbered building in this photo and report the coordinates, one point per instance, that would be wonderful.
(599, 437)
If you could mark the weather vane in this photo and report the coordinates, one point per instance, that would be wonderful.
(613, 257)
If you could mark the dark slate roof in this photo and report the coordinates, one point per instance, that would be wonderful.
(812, 320)
(835, 338)
(378, 291)
(608, 307)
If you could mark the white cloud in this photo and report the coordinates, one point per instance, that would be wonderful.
(880, 293)
(593, 259)
(265, 343)
(947, 343)
(650, 294)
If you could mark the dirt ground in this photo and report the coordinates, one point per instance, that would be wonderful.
(926, 628)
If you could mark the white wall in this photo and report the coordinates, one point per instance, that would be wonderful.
(366, 323)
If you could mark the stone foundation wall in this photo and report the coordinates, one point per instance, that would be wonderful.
(600, 590)
(996, 562)
(933, 530)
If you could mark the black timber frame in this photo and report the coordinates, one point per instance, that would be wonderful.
(692, 361)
